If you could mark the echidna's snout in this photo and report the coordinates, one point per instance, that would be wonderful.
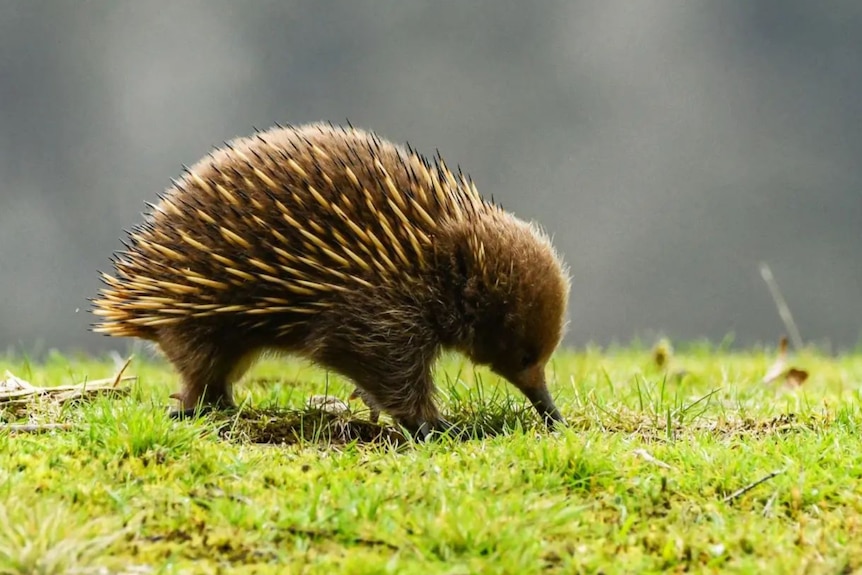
(531, 382)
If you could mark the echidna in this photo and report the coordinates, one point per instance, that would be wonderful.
(341, 247)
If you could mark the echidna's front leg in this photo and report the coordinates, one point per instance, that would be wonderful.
(205, 369)
(412, 405)
(390, 367)
(374, 411)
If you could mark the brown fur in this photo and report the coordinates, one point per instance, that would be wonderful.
(345, 249)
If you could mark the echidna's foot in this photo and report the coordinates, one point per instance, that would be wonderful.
(194, 402)
(426, 430)
(201, 410)
(373, 414)
(191, 413)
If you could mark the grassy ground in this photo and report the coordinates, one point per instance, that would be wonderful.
(644, 479)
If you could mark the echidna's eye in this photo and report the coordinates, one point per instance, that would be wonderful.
(528, 359)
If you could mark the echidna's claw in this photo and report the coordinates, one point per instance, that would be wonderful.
(426, 430)
(190, 413)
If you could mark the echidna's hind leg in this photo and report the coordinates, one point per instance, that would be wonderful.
(207, 370)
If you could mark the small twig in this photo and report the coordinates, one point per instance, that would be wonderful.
(96, 386)
(119, 376)
(781, 304)
(767, 509)
(648, 457)
(34, 428)
(740, 492)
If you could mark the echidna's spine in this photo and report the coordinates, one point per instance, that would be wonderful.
(280, 223)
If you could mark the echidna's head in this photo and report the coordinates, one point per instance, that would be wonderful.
(514, 301)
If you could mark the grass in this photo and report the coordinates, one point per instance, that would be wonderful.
(658, 470)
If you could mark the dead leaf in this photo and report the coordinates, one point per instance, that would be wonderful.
(327, 404)
(779, 369)
(796, 377)
(13, 384)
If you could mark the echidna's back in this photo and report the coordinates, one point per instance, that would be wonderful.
(278, 226)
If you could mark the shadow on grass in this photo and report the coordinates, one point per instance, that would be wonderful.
(278, 426)
(281, 426)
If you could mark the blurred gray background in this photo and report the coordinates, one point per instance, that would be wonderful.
(669, 146)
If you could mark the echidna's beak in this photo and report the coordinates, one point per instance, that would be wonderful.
(531, 382)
